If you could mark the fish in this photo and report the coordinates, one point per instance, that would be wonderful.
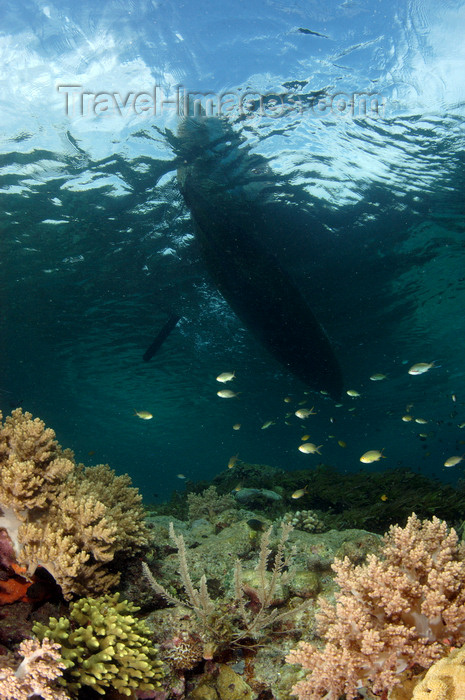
(461, 425)
(308, 448)
(421, 421)
(305, 437)
(236, 426)
(407, 418)
(267, 424)
(287, 399)
(421, 368)
(225, 187)
(226, 377)
(384, 497)
(378, 377)
(371, 456)
(305, 412)
(233, 461)
(256, 524)
(227, 394)
(353, 393)
(180, 476)
(342, 443)
(300, 492)
(154, 347)
(454, 398)
(452, 461)
(145, 415)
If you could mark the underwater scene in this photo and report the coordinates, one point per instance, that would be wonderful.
(232, 350)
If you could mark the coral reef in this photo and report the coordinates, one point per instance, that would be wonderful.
(220, 626)
(445, 680)
(104, 646)
(37, 675)
(209, 504)
(305, 520)
(70, 520)
(389, 614)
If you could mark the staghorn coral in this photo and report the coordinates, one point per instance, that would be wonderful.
(37, 675)
(70, 520)
(104, 646)
(390, 613)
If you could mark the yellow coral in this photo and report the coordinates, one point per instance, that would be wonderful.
(106, 646)
(445, 680)
(66, 518)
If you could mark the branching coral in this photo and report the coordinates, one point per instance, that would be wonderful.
(70, 520)
(37, 674)
(209, 504)
(104, 646)
(389, 614)
(251, 610)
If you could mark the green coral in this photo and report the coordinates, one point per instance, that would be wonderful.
(104, 646)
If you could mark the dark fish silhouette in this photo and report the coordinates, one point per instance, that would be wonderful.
(227, 190)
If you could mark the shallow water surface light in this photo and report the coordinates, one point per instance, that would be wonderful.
(302, 229)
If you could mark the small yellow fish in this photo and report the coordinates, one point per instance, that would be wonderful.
(239, 487)
(267, 424)
(302, 403)
(407, 418)
(353, 393)
(180, 476)
(421, 368)
(378, 377)
(341, 443)
(371, 456)
(287, 399)
(384, 497)
(452, 461)
(305, 412)
(145, 415)
(305, 437)
(225, 377)
(233, 461)
(308, 448)
(236, 426)
(461, 425)
(423, 435)
(422, 421)
(300, 492)
(323, 392)
(227, 394)
(454, 398)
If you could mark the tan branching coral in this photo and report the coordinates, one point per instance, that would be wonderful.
(390, 613)
(37, 675)
(62, 516)
(209, 504)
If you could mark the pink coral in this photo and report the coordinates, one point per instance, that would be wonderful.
(389, 614)
(37, 674)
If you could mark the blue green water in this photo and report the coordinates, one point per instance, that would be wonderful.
(97, 245)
